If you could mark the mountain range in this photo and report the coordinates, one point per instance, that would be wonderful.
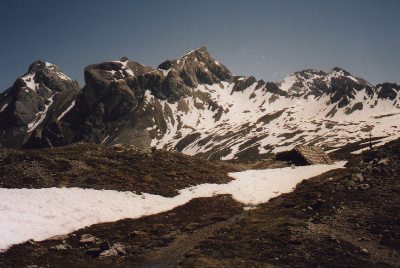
(195, 105)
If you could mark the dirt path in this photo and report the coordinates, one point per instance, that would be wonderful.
(169, 256)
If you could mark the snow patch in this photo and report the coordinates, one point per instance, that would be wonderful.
(29, 80)
(4, 107)
(42, 213)
(352, 78)
(66, 111)
(63, 76)
(288, 82)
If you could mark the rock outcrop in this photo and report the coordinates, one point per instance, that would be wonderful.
(35, 100)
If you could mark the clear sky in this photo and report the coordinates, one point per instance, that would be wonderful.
(265, 38)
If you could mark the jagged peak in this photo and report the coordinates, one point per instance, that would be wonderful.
(36, 71)
(307, 74)
(198, 59)
(124, 59)
(40, 65)
(200, 54)
(197, 51)
(339, 70)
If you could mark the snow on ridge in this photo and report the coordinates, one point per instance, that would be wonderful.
(4, 107)
(288, 82)
(191, 52)
(42, 213)
(63, 76)
(352, 78)
(66, 111)
(311, 120)
(165, 72)
(40, 116)
(29, 80)
(123, 63)
(124, 67)
(50, 65)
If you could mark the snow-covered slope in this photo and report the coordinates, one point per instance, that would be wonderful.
(256, 121)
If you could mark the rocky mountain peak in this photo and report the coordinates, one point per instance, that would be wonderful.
(339, 71)
(124, 59)
(35, 99)
(309, 72)
(37, 66)
(46, 68)
(200, 52)
(41, 73)
(197, 66)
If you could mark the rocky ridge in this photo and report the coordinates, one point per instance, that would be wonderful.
(196, 106)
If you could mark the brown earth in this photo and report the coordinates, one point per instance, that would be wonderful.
(343, 218)
(99, 167)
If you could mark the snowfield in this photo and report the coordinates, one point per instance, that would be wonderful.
(42, 213)
(292, 120)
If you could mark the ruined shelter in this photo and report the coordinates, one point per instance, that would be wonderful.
(303, 155)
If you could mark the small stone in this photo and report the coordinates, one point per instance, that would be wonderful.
(59, 247)
(120, 249)
(364, 186)
(87, 239)
(31, 242)
(384, 162)
(108, 253)
(116, 250)
(357, 177)
(364, 251)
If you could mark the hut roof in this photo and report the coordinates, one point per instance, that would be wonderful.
(305, 155)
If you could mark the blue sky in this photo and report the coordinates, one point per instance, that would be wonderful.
(267, 39)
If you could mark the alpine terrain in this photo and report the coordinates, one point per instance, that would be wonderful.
(188, 165)
(195, 105)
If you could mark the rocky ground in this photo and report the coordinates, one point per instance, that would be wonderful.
(113, 168)
(346, 217)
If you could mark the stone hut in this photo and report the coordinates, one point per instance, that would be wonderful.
(304, 155)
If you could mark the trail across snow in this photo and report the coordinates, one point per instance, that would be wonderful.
(42, 213)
